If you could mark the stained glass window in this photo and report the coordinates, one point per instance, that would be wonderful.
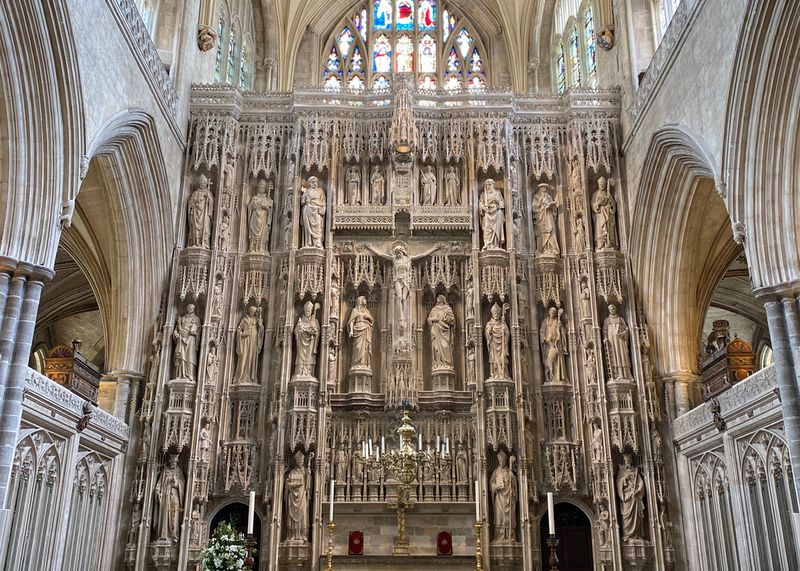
(405, 15)
(475, 63)
(333, 83)
(244, 67)
(574, 57)
(383, 15)
(333, 61)
(589, 40)
(380, 82)
(405, 55)
(561, 71)
(427, 14)
(360, 20)
(427, 83)
(232, 55)
(463, 41)
(449, 24)
(382, 55)
(356, 83)
(218, 61)
(476, 84)
(345, 40)
(427, 54)
(356, 62)
(452, 83)
(453, 61)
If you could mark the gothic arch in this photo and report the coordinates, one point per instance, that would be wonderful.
(42, 113)
(761, 152)
(679, 220)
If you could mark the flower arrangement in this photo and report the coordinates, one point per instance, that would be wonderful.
(226, 550)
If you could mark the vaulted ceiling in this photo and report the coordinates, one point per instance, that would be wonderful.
(517, 23)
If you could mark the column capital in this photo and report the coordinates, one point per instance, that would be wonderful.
(778, 292)
(18, 268)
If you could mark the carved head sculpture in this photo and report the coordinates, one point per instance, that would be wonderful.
(496, 312)
(544, 187)
(202, 182)
(173, 461)
(488, 185)
(627, 459)
(190, 309)
(552, 312)
(261, 187)
(441, 299)
(601, 183)
(299, 459)
(313, 181)
(502, 458)
(251, 311)
(399, 250)
(308, 308)
(361, 302)
(612, 309)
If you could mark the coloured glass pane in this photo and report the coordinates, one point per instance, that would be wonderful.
(380, 83)
(345, 40)
(218, 61)
(383, 15)
(382, 55)
(452, 83)
(427, 83)
(575, 57)
(333, 60)
(356, 83)
(427, 54)
(333, 83)
(463, 42)
(453, 61)
(448, 24)
(360, 20)
(477, 83)
(427, 14)
(356, 61)
(405, 15)
(589, 40)
(561, 72)
(232, 54)
(244, 68)
(405, 55)
(475, 62)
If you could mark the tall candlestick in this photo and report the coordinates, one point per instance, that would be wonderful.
(551, 513)
(330, 517)
(251, 512)
(477, 503)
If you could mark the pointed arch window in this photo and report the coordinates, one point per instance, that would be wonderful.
(233, 54)
(574, 57)
(421, 37)
(561, 69)
(589, 41)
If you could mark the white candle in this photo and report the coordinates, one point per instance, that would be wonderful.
(420, 442)
(438, 444)
(551, 514)
(251, 512)
(447, 444)
(477, 503)
(370, 447)
(377, 454)
(330, 517)
(383, 445)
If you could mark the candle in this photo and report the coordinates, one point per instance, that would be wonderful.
(447, 444)
(377, 454)
(383, 445)
(551, 514)
(420, 442)
(370, 447)
(438, 445)
(330, 517)
(477, 503)
(251, 511)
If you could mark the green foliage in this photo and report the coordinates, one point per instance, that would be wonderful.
(226, 550)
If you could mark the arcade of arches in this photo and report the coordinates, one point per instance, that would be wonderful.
(378, 279)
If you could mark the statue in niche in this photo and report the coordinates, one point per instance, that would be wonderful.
(590, 365)
(462, 463)
(313, 204)
(259, 218)
(471, 379)
(249, 335)
(201, 210)
(602, 526)
(597, 444)
(616, 334)
(445, 467)
(585, 301)
(359, 327)
(579, 233)
(306, 335)
(428, 181)
(377, 186)
(216, 298)
(452, 185)
(353, 180)
(503, 485)
(205, 443)
(224, 232)
(212, 364)
(469, 297)
(492, 208)
(604, 208)
(185, 335)
(228, 176)
(553, 337)
(657, 446)
(169, 492)
(298, 483)
(545, 211)
(630, 488)
(497, 335)
(342, 460)
(442, 322)
(358, 466)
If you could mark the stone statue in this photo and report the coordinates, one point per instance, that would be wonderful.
(353, 180)
(492, 208)
(545, 211)
(590, 366)
(615, 336)
(342, 460)
(212, 364)
(503, 485)
(216, 299)
(429, 186)
(604, 208)
(224, 231)
(553, 337)
(462, 475)
(580, 234)
(377, 184)
(249, 335)
(442, 322)
(306, 335)
(358, 466)
(359, 327)
(201, 210)
(657, 447)
(298, 482)
(630, 488)
(597, 445)
(497, 335)
(185, 335)
(169, 492)
(602, 527)
(313, 206)
(205, 443)
(586, 301)
(451, 187)
(259, 218)
(469, 297)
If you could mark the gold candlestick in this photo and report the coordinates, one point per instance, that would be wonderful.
(331, 527)
(478, 554)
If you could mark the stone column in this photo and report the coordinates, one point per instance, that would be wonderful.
(684, 385)
(126, 381)
(20, 289)
(784, 332)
